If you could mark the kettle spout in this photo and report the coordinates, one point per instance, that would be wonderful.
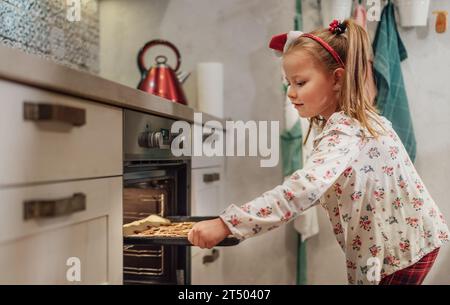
(183, 76)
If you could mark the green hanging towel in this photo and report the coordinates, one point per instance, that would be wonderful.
(291, 149)
(392, 100)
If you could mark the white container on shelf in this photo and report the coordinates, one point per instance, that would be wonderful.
(413, 12)
(335, 9)
(210, 88)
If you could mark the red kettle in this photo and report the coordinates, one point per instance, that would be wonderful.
(161, 79)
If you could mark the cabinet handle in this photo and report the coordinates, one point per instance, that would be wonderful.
(211, 177)
(211, 258)
(35, 209)
(55, 113)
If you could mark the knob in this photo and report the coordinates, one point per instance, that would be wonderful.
(149, 139)
(142, 139)
(157, 139)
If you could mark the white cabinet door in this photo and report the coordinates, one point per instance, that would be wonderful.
(207, 200)
(83, 237)
(84, 140)
(60, 256)
(207, 266)
(204, 161)
(207, 191)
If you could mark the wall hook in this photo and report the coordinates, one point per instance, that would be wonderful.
(441, 21)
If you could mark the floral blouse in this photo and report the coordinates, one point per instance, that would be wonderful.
(383, 216)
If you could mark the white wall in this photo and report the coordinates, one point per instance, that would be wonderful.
(236, 33)
(426, 75)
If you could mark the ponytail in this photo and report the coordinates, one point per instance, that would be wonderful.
(355, 99)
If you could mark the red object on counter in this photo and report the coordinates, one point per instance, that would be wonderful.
(161, 79)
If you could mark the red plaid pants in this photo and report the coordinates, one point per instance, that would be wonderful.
(414, 274)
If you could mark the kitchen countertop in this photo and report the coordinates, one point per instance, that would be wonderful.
(18, 66)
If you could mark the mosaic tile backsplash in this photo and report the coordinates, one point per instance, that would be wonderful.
(64, 31)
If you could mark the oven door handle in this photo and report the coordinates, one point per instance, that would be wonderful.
(37, 209)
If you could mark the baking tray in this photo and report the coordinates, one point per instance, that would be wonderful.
(175, 241)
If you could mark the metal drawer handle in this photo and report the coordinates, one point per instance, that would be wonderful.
(35, 209)
(211, 258)
(211, 177)
(55, 113)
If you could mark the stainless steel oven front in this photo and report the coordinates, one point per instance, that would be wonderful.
(155, 182)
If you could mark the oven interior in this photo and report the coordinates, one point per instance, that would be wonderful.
(162, 188)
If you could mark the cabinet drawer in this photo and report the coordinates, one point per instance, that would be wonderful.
(207, 191)
(207, 267)
(46, 258)
(84, 141)
(203, 160)
(36, 250)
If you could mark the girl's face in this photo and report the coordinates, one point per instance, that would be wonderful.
(312, 89)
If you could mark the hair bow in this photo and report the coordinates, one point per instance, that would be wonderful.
(336, 27)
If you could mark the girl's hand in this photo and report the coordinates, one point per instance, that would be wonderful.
(208, 233)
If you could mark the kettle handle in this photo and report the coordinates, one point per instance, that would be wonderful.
(148, 45)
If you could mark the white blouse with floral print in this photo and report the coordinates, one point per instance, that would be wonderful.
(381, 212)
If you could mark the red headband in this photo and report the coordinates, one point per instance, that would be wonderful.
(327, 47)
(277, 43)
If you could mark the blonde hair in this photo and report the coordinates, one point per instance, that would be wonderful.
(354, 48)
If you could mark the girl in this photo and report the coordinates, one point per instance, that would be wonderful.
(382, 215)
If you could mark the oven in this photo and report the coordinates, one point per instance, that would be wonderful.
(155, 182)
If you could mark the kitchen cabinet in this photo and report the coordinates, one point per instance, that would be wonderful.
(207, 200)
(207, 266)
(62, 142)
(83, 140)
(60, 188)
(208, 182)
(42, 243)
(204, 161)
(207, 191)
